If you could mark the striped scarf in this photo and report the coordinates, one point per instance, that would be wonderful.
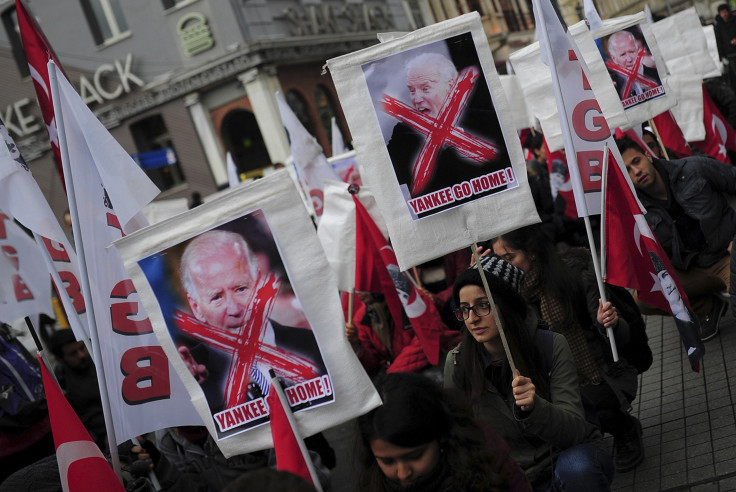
(553, 312)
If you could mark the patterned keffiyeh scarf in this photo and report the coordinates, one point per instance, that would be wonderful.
(553, 311)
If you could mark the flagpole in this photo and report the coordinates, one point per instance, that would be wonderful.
(276, 386)
(86, 290)
(659, 139)
(39, 347)
(604, 181)
(501, 331)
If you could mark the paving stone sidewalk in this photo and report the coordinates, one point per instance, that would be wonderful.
(687, 418)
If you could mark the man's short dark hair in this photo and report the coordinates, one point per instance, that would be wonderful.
(722, 7)
(625, 143)
(534, 141)
(59, 339)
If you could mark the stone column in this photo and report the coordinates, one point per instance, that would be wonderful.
(261, 85)
(210, 142)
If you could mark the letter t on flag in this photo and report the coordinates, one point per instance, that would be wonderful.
(82, 467)
(636, 260)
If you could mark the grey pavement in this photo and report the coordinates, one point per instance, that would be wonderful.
(687, 418)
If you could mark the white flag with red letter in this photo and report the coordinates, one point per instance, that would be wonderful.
(585, 130)
(110, 190)
(21, 197)
(82, 466)
(25, 287)
(311, 163)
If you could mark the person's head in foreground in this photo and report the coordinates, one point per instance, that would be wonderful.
(623, 48)
(420, 439)
(218, 274)
(429, 78)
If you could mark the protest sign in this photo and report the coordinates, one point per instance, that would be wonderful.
(346, 167)
(441, 151)
(635, 66)
(230, 288)
(536, 84)
(683, 44)
(521, 115)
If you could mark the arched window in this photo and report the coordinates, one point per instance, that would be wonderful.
(244, 141)
(299, 106)
(156, 154)
(327, 109)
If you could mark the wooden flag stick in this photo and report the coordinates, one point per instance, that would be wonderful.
(501, 331)
(659, 139)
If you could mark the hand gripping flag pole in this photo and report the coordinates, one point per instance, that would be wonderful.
(602, 274)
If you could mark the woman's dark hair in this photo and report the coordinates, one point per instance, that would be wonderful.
(416, 411)
(470, 372)
(555, 279)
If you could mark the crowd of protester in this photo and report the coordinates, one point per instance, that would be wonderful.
(526, 386)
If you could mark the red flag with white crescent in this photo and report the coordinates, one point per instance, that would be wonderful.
(376, 266)
(719, 136)
(636, 260)
(82, 467)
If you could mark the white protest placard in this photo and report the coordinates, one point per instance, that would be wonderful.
(238, 286)
(710, 40)
(521, 114)
(440, 155)
(635, 66)
(688, 113)
(683, 44)
(536, 83)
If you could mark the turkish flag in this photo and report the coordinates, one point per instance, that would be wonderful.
(289, 457)
(719, 136)
(671, 135)
(635, 260)
(376, 270)
(82, 467)
(38, 53)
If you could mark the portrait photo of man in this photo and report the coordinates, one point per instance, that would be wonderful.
(438, 119)
(631, 66)
(236, 317)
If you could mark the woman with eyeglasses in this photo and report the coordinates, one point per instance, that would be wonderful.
(538, 410)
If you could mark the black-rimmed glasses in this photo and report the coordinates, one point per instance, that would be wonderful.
(481, 309)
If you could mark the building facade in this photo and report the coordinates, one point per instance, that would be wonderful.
(180, 83)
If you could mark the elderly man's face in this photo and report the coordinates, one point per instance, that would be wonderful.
(428, 89)
(223, 285)
(623, 52)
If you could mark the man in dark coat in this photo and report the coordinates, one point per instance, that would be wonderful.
(687, 210)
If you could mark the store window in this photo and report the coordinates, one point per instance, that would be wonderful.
(244, 141)
(326, 109)
(10, 22)
(156, 154)
(105, 19)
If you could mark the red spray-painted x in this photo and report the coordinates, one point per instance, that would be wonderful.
(632, 75)
(441, 130)
(246, 344)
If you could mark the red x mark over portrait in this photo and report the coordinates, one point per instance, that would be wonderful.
(246, 344)
(441, 131)
(632, 75)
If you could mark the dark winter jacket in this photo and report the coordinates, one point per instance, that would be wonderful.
(699, 185)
